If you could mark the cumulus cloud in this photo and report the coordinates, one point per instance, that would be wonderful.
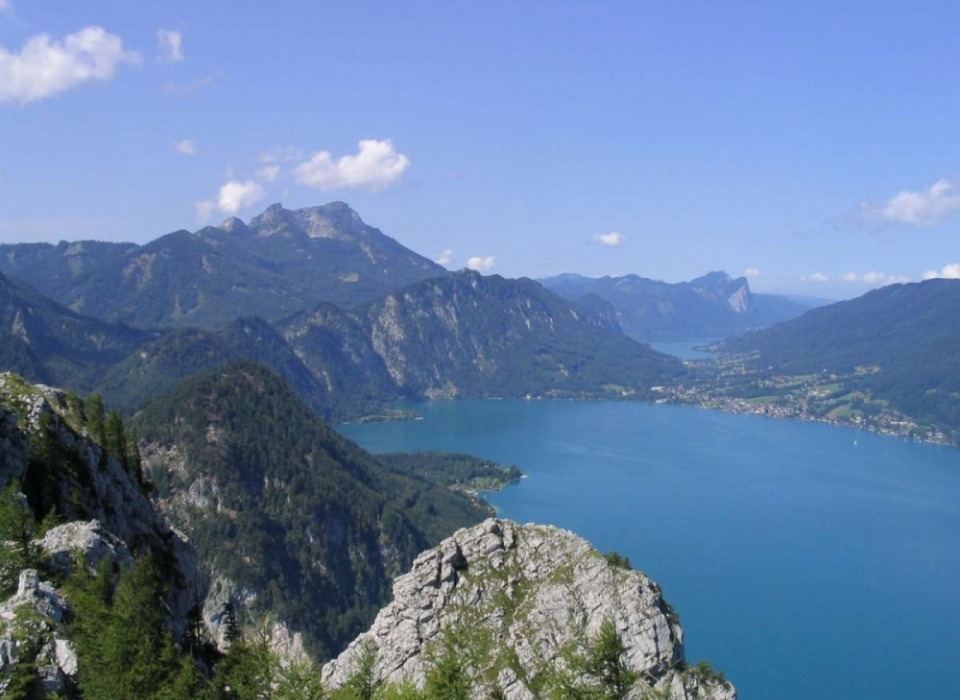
(752, 272)
(46, 67)
(612, 239)
(236, 195)
(187, 147)
(817, 277)
(849, 277)
(444, 257)
(233, 197)
(916, 208)
(269, 173)
(949, 272)
(171, 44)
(480, 264)
(375, 166)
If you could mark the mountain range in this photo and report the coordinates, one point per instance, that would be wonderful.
(348, 317)
(712, 306)
(280, 262)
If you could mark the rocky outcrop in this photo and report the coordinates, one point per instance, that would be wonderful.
(107, 511)
(31, 632)
(523, 601)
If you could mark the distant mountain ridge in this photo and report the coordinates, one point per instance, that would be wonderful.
(461, 335)
(281, 262)
(47, 342)
(471, 335)
(712, 306)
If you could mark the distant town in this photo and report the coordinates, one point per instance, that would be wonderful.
(730, 384)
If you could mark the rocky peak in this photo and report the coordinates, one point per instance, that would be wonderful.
(720, 286)
(526, 599)
(335, 220)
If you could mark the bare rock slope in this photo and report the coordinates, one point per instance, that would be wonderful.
(519, 605)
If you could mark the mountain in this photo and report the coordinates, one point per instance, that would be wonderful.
(712, 306)
(468, 335)
(47, 342)
(526, 611)
(899, 343)
(156, 367)
(294, 522)
(281, 262)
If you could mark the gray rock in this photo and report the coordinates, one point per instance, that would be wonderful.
(30, 622)
(530, 597)
(87, 539)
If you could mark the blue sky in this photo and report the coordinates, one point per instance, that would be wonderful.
(809, 145)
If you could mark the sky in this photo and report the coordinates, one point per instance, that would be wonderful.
(810, 146)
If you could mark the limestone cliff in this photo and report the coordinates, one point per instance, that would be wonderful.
(522, 604)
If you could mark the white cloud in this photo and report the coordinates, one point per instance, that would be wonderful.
(916, 208)
(444, 257)
(171, 43)
(873, 277)
(480, 264)
(612, 239)
(817, 277)
(268, 173)
(46, 67)
(752, 272)
(204, 210)
(187, 147)
(949, 272)
(376, 165)
(849, 277)
(236, 195)
(231, 198)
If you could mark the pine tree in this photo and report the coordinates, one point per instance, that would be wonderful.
(96, 418)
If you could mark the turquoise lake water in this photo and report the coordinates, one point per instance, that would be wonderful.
(804, 560)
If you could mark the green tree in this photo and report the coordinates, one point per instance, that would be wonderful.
(246, 672)
(123, 646)
(96, 418)
(605, 662)
(362, 684)
(447, 677)
(17, 530)
(116, 439)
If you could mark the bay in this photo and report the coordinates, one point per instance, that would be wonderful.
(804, 560)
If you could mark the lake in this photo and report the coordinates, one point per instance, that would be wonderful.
(804, 560)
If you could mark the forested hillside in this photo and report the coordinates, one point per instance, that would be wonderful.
(306, 524)
(898, 343)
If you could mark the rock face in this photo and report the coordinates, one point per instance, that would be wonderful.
(469, 335)
(31, 625)
(109, 514)
(530, 598)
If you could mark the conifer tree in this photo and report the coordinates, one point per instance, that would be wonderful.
(96, 418)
